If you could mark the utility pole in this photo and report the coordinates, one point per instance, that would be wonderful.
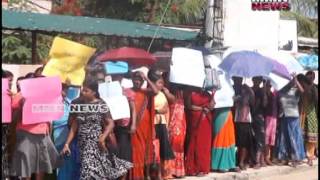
(209, 23)
(214, 23)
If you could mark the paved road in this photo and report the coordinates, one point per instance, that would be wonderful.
(302, 172)
(311, 174)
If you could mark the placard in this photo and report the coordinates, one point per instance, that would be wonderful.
(43, 100)
(67, 60)
(187, 67)
(118, 104)
(224, 96)
(6, 102)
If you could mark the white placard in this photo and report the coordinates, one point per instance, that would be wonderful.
(118, 104)
(187, 67)
(119, 107)
(224, 96)
(110, 89)
(278, 82)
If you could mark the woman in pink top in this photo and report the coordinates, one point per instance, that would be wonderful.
(34, 151)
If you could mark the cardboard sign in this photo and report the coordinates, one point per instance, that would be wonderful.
(187, 67)
(278, 82)
(118, 67)
(6, 102)
(118, 104)
(224, 96)
(73, 93)
(68, 60)
(43, 100)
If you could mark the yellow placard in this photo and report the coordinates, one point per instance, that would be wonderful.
(68, 60)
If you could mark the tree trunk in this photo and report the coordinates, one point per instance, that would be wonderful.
(153, 11)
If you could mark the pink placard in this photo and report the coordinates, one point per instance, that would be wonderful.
(6, 102)
(43, 100)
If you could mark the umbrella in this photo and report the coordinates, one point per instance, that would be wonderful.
(309, 61)
(280, 69)
(133, 56)
(246, 64)
(286, 59)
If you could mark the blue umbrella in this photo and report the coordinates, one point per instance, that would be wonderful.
(246, 64)
(309, 61)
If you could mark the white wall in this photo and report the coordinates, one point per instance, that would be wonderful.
(244, 27)
(288, 31)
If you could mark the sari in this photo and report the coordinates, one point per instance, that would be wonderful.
(309, 123)
(198, 154)
(141, 140)
(177, 133)
(223, 144)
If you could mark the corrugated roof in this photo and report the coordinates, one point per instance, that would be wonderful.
(88, 25)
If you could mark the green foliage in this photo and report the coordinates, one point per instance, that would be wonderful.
(15, 50)
(306, 27)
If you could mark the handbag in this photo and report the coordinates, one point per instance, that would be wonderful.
(211, 80)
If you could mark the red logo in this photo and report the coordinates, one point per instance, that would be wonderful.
(267, 5)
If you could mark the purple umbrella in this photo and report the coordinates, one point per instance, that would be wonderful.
(280, 70)
(246, 64)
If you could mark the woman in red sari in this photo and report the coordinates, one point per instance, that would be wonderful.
(198, 154)
(177, 131)
(142, 149)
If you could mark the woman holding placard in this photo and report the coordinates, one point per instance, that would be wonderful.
(161, 121)
(93, 129)
(142, 148)
(34, 151)
(124, 128)
(290, 138)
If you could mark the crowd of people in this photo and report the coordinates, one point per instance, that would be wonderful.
(174, 131)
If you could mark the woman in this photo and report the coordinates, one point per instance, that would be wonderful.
(5, 133)
(198, 154)
(290, 143)
(177, 131)
(32, 142)
(124, 128)
(309, 119)
(71, 165)
(258, 122)
(270, 115)
(223, 145)
(161, 121)
(142, 148)
(244, 98)
(93, 129)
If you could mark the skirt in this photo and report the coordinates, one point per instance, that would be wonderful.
(124, 143)
(4, 155)
(271, 127)
(223, 152)
(244, 135)
(166, 152)
(259, 132)
(290, 140)
(34, 153)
